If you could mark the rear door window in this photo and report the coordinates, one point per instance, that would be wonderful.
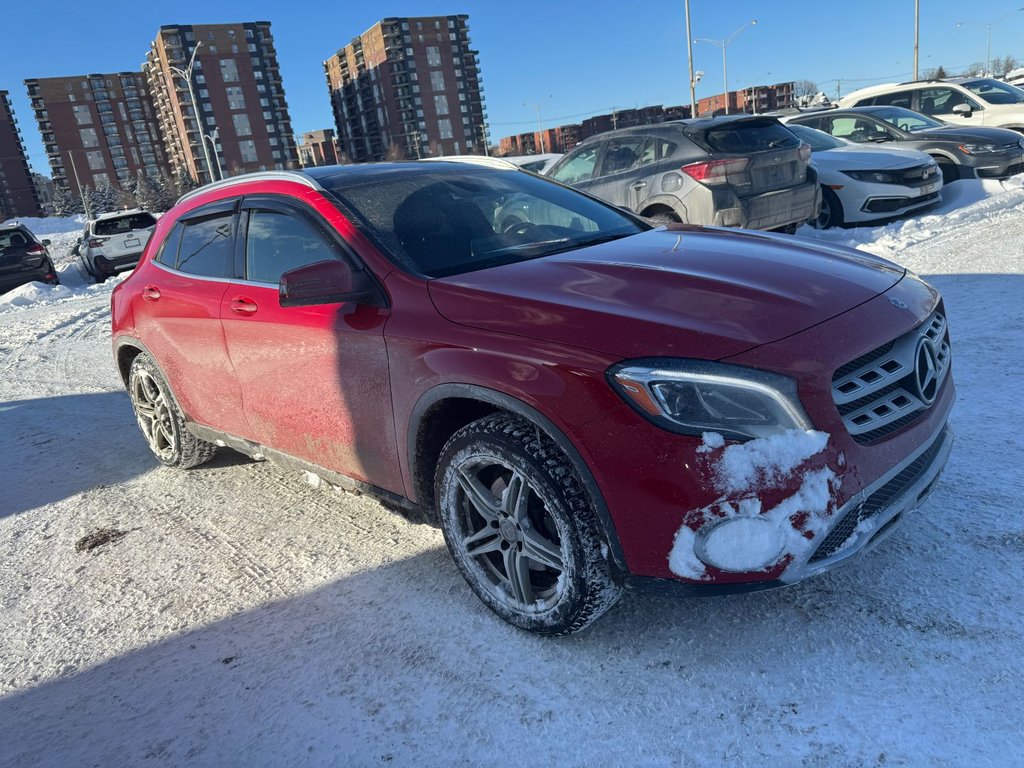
(859, 129)
(940, 101)
(622, 155)
(207, 246)
(898, 99)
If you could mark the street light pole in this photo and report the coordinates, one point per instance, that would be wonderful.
(186, 75)
(689, 60)
(212, 137)
(988, 30)
(917, 32)
(724, 44)
(540, 130)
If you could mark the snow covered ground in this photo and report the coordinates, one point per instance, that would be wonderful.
(241, 616)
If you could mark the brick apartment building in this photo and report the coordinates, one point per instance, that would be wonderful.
(565, 137)
(241, 107)
(317, 148)
(406, 88)
(18, 196)
(98, 130)
(756, 100)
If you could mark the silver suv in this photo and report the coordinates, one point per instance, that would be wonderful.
(733, 171)
(113, 242)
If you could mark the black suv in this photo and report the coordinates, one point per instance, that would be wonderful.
(23, 258)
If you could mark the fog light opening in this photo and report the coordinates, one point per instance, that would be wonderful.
(740, 544)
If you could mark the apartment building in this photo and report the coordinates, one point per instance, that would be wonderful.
(239, 121)
(408, 88)
(317, 148)
(18, 196)
(755, 100)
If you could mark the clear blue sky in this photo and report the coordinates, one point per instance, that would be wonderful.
(577, 58)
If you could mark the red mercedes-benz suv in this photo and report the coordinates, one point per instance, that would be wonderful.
(576, 398)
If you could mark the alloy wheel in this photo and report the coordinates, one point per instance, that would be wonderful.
(153, 413)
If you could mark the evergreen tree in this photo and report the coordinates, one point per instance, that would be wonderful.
(104, 200)
(183, 182)
(65, 203)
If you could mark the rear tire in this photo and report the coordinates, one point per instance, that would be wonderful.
(664, 217)
(160, 419)
(520, 527)
(831, 212)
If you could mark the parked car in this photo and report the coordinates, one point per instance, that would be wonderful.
(113, 242)
(535, 163)
(962, 101)
(734, 171)
(962, 153)
(23, 258)
(564, 402)
(868, 183)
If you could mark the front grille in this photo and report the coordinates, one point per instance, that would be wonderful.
(918, 174)
(877, 502)
(890, 387)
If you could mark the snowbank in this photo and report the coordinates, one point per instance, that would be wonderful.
(49, 225)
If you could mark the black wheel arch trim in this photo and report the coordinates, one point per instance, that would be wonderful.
(512, 404)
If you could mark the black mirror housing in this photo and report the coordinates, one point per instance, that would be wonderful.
(327, 282)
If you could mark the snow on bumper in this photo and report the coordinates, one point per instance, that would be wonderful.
(754, 530)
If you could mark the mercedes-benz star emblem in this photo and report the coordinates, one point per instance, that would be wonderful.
(926, 370)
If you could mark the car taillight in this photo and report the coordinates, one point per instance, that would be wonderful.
(715, 171)
(96, 243)
(805, 151)
(36, 250)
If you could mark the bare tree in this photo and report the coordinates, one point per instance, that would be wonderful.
(938, 73)
(803, 88)
(1003, 64)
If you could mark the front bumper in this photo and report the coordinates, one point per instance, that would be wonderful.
(998, 166)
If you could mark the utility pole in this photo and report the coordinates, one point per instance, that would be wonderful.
(487, 142)
(540, 129)
(689, 60)
(917, 32)
(81, 192)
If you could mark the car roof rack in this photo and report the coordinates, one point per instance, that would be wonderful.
(296, 176)
(484, 160)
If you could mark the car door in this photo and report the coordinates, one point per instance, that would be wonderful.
(940, 101)
(177, 311)
(619, 180)
(314, 378)
(578, 168)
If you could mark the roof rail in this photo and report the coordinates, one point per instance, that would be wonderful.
(295, 176)
(488, 162)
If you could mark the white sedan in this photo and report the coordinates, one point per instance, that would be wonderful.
(866, 183)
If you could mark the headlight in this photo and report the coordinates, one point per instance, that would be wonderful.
(981, 149)
(880, 177)
(696, 396)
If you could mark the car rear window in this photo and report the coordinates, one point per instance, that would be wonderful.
(107, 227)
(741, 137)
(15, 239)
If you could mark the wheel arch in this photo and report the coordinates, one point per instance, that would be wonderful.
(446, 408)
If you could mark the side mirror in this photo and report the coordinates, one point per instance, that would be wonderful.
(963, 109)
(327, 282)
(45, 243)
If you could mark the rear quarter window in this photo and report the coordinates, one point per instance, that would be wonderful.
(168, 254)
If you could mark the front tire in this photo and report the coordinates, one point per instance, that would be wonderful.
(831, 212)
(160, 419)
(521, 529)
(950, 171)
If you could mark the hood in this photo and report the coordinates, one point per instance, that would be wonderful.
(856, 157)
(969, 135)
(678, 291)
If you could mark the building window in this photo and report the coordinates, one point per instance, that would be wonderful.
(95, 159)
(229, 70)
(235, 98)
(248, 150)
(437, 80)
(101, 179)
(441, 104)
(242, 127)
(83, 116)
(444, 128)
(89, 138)
(213, 49)
(433, 56)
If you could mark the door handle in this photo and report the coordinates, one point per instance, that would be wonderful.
(638, 185)
(243, 305)
(151, 293)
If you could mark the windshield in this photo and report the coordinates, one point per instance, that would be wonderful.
(440, 220)
(995, 92)
(819, 141)
(905, 119)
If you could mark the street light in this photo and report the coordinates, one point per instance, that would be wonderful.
(212, 138)
(186, 75)
(723, 44)
(540, 130)
(988, 30)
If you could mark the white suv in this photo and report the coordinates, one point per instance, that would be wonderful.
(113, 242)
(973, 101)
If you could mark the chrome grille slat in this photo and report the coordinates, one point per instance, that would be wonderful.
(878, 392)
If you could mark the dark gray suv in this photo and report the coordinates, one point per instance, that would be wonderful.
(735, 171)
